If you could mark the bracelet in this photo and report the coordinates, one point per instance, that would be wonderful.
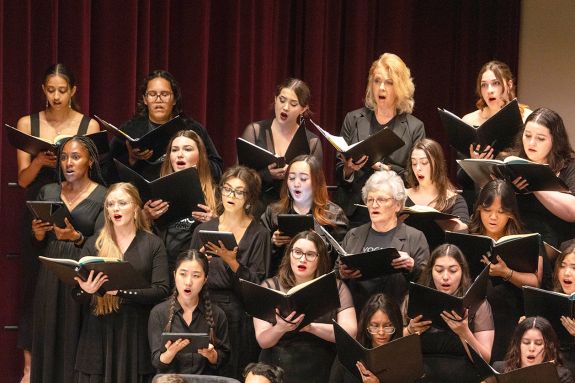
(508, 276)
(80, 239)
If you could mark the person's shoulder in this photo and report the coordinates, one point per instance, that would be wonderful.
(24, 124)
(150, 238)
(191, 123)
(361, 112)
(162, 307)
(411, 120)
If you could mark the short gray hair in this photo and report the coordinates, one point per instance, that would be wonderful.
(386, 180)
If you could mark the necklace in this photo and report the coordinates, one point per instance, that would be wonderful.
(72, 201)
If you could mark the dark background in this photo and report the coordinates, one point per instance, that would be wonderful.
(228, 57)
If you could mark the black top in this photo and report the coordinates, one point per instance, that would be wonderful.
(538, 219)
(140, 125)
(565, 375)
(116, 345)
(357, 126)
(186, 362)
(260, 133)
(253, 257)
(270, 221)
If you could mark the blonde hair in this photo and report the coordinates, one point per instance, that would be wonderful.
(402, 82)
(108, 248)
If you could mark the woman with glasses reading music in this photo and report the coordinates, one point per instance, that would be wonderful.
(185, 150)
(238, 193)
(384, 194)
(444, 350)
(113, 344)
(159, 99)
(291, 107)
(380, 322)
(303, 191)
(305, 355)
(57, 320)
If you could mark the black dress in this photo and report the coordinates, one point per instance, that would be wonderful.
(57, 318)
(253, 257)
(335, 215)
(305, 357)
(114, 347)
(260, 133)
(29, 253)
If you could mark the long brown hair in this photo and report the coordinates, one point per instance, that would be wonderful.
(203, 166)
(379, 302)
(320, 208)
(452, 251)
(106, 242)
(551, 353)
(285, 272)
(434, 154)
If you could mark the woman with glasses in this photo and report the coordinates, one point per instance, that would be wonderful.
(113, 344)
(380, 322)
(291, 107)
(305, 355)
(56, 324)
(185, 150)
(384, 195)
(238, 193)
(303, 191)
(444, 350)
(388, 104)
(159, 99)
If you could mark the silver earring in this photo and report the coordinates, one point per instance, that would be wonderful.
(47, 104)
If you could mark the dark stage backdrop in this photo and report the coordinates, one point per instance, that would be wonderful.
(228, 56)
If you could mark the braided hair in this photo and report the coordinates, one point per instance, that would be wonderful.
(94, 173)
(194, 255)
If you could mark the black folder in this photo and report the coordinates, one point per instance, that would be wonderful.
(292, 224)
(377, 146)
(372, 264)
(257, 158)
(34, 145)
(314, 299)
(499, 131)
(156, 139)
(539, 176)
(197, 340)
(181, 189)
(551, 305)
(430, 302)
(50, 211)
(399, 361)
(520, 252)
(214, 237)
(544, 372)
(121, 275)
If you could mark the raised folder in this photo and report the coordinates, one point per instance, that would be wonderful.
(121, 275)
(291, 224)
(157, 139)
(539, 373)
(34, 145)
(181, 189)
(376, 147)
(499, 131)
(430, 302)
(197, 340)
(53, 212)
(314, 299)
(399, 361)
(257, 158)
(539, 176)
(371, 264)
(520, 252)
(551, 305)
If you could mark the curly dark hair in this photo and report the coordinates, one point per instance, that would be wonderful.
(142, 108)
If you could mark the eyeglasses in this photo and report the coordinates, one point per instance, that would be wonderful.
(380, 201)
(121, 204)
(228, 191)
(153, 95)
(372, 329)
(310, 256)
